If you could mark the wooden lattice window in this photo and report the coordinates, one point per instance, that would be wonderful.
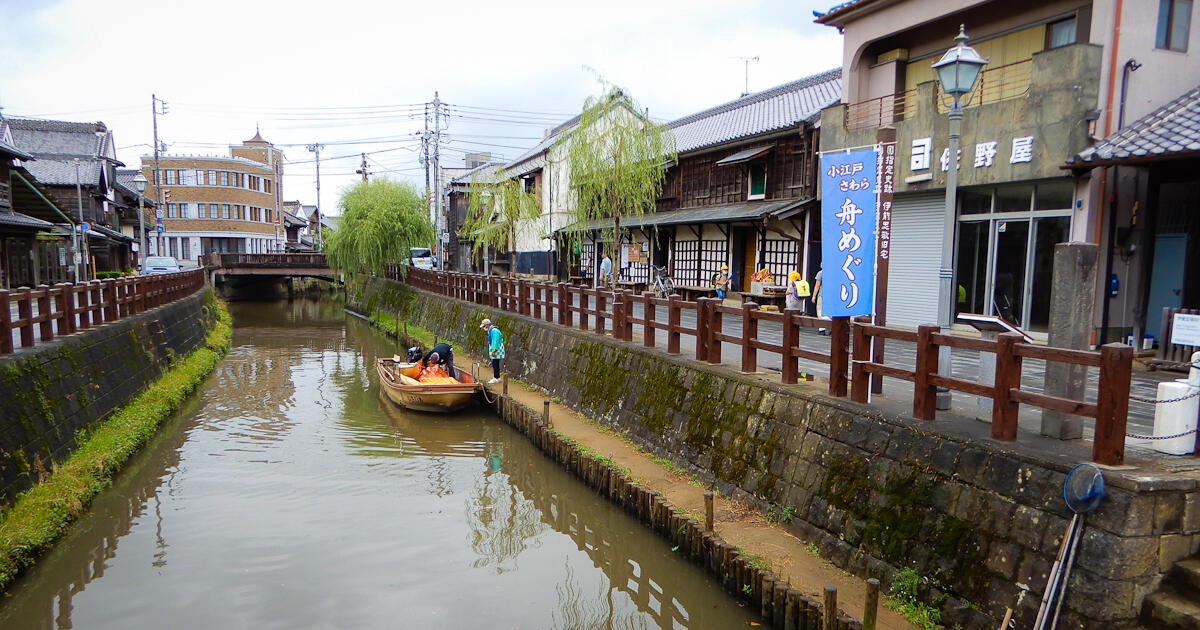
(587, 253)
(685, 262)
(636, 270)
(713, 254)
(780, 256)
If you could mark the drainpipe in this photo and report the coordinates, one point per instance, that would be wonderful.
(1130, 66)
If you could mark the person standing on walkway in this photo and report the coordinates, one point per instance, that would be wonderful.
(721, 281)
(495, 348)
(606, 273)
(797, 292)
(817, 296)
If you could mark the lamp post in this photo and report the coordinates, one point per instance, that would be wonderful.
(957, 72)
(139, 182)
(83, 236)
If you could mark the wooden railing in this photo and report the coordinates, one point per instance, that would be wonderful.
(293, 261)
(849, 358)
(65, 308)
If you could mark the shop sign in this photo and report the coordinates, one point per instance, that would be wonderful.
(1185, 330)
(983, 154)
(848, 221)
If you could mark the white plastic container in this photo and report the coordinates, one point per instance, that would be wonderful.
(1176, 417)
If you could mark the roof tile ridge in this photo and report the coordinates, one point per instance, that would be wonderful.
(750, 99)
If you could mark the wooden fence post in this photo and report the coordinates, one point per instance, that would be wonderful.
(830, 608)
(1112, 413)
(584, 305)
(627, 317)
(43, 302)
(860, 388)
(673, 312)
(618, 318)
(839, 355)
(564, 304)
(702, 329)
(925, 394)
(708, 511)
(648, 317)
(749, 336)
(108, 289)
(6, 344)
(715, 319)
(601, 303)
(790, 370)
(25, 312)
(1006, 378)
(871, 605)
(67, 307)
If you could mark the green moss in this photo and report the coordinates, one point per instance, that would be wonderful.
(18, 458)
(43, 513)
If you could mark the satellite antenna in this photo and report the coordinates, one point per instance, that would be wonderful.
(746, 62)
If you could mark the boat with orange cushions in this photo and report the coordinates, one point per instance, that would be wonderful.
(398, 380)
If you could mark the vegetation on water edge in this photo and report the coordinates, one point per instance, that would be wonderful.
(45, 511)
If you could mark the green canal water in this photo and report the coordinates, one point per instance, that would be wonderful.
(291, 494)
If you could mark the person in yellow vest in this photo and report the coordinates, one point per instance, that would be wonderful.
(797, 291)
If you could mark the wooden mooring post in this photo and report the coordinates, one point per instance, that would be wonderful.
(546, 412)
(708, 511)
(871, 605)
(830, 608)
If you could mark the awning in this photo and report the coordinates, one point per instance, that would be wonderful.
(748, 211)
(21, 221)
(744, 156)
(1171, 132)
(110, 233)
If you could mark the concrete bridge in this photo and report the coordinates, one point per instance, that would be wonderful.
(267, 266)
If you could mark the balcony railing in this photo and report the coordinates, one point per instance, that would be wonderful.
(997, 84)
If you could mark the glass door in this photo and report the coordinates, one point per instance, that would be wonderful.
(1008, 286)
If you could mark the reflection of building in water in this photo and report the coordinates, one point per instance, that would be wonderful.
(258, 378)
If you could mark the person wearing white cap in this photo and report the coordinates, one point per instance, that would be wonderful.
(495, 348)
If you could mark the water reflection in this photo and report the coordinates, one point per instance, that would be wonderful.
(291, 494)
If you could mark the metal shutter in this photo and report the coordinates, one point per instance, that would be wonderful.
(916, 256)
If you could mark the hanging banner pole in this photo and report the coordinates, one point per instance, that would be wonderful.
(886, 163)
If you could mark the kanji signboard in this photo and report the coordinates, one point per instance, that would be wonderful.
(848, 208)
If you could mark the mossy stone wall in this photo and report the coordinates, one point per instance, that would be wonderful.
(980, 520)
(51, 392)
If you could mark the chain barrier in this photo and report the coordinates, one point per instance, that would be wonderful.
(1165, 401)
(1159, 437)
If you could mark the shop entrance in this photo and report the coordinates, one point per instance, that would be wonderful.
(1005, 254)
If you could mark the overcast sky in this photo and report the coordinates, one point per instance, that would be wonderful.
(333, 72)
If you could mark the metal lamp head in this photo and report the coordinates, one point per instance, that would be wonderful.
(139, 182)
(959, 68)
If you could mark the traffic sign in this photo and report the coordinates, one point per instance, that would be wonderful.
(85, 226)
(159, 228)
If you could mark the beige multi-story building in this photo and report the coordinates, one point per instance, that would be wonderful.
(218, 204)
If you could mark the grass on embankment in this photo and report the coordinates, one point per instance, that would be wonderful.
(389, 324)
(43, 513)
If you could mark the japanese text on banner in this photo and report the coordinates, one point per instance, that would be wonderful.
(848, 188)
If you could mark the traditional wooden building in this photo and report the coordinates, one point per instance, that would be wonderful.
(18, 232)
(742, 192)
(76, 163)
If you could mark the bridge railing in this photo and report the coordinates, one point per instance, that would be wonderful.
(279, 261)
(848, 359)
(39, 314)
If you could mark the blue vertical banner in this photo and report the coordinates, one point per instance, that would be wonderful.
(848, 189)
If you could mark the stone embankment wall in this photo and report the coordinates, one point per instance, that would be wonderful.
(981, 521)
(53, 391)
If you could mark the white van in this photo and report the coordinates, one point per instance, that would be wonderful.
(422, 258)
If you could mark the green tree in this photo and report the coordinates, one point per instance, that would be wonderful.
(496, 208)
(617, 159)
(381, 220)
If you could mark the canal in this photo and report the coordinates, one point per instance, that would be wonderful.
(290, 494)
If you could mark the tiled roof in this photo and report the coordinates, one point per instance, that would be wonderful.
(18, 219)
(542, 146)
(839, 10)
(1164, 133)
(770, 110)
(60, 172)
(483, 173)
(58, 137)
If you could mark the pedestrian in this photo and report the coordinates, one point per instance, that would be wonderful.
(721, 281)
(606, 272)
(797, 292)
(444, 356)
(495, 348)
(817, 295)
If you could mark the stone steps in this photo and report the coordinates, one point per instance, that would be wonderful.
(1176, 606)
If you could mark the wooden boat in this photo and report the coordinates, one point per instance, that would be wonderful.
(398, 380)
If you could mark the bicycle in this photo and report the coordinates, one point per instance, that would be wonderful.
(663, 285)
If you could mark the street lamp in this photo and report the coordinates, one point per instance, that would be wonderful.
(957, 72)
(139, 182)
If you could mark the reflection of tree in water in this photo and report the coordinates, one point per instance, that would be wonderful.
(503, 523)
(575, 611)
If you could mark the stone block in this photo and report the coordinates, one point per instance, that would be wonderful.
(945, 458)
(1028, 527)
(1116, 558)
(1171, 549)
(1168, 513)
(1095, 597)
(944, 496)
(1002, 560)
(972, 463)
(1125, 513)
(1033, 572)
(1191, 513)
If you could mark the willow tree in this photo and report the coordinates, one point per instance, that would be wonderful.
(497, 208)
(617, 159)
(381, 220)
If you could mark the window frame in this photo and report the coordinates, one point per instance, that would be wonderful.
(1166, 23)
(750, 170)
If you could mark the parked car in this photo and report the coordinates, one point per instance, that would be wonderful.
(160, 264)
(422, 258)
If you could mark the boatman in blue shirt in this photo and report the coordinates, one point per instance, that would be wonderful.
(495, 348)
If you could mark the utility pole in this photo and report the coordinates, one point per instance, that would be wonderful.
(425, 162)
(158, 200)
(437, 169)
(316, 148)
(80, 251)
(363, 169)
